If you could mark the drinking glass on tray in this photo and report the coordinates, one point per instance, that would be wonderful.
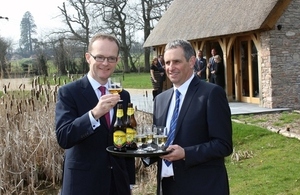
(160, 137)
(149, 137)
(140, 139)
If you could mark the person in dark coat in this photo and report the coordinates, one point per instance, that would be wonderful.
(200, 66)
(156, 71)
(199, 126)
(219, 71)
(83, 131)
(211, 66)
(161, 63)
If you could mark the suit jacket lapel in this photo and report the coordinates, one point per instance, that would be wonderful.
(91, 98)
(186, 105)
(163, 108)
(88, 92)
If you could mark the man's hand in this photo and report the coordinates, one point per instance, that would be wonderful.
(177, 153)
(105, 103)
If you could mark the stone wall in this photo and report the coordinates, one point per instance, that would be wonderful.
(280, 67)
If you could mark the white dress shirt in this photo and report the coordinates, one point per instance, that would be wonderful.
(167, 171)
(95, 85)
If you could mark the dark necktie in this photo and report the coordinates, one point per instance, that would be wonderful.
(107, 116)
(171, 134)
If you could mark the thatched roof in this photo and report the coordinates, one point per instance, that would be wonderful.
(197, 19)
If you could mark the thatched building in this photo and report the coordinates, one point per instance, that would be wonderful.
(258, 40)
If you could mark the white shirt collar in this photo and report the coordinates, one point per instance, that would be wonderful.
(183, 88)
(95, 83)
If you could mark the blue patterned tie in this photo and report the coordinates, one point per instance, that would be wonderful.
(173, 123)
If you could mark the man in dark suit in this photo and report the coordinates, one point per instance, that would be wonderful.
(200, 66)
(84, 132)
(211, 66)
(201, 132)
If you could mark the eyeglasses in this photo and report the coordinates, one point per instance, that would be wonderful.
(102, 59)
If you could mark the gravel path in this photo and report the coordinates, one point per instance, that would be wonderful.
(13, 84)
(141, 98)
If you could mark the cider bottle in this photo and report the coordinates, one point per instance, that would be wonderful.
(119, 135)
(130, 128)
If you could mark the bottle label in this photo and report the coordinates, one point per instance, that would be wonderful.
(130, 111)
(119, 113)
(119, 139)
(130, 135)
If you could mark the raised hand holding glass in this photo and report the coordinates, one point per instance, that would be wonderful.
(115, 85)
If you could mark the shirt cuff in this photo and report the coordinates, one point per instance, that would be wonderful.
(95, 123)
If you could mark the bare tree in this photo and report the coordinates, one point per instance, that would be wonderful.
(79, 28)
(152, 11)
(117, 17)
(4, 45)
(117, 21)
(41, 61)
(78, 20)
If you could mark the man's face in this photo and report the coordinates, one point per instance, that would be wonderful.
(199, 54)
(177, 68)
(213, 52)
(160, 58)
(101, 71)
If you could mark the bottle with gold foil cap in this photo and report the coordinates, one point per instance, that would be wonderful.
(131, 125)
(119, 134)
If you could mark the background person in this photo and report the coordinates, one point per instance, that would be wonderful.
(156, 78)
(161, 65)
(211, 66)
(202, 133)
(200, 66)
(84, 133)
(219, 71)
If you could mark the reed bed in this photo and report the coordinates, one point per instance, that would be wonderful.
(145, 176)
(30, 159)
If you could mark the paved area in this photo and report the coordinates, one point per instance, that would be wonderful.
(142, 99)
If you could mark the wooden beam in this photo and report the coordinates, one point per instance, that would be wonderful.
(275, 14)
(230, 43)
(255, 39)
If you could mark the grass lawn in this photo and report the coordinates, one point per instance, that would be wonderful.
(263, 162)
(130, 80)
(136, 80)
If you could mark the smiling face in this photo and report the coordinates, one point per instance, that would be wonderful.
(101, 71)
(178, 69)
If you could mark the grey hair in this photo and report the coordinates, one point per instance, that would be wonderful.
(185, 45)
(218, 58)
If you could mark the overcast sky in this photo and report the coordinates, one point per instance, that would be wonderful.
(44, 13)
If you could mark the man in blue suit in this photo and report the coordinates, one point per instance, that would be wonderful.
(200, 66)
(200, 135)
(212, 66)
(83, 131)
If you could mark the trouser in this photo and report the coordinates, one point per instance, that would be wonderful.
(154, 93)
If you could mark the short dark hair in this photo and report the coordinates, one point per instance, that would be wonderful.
(103, 36)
